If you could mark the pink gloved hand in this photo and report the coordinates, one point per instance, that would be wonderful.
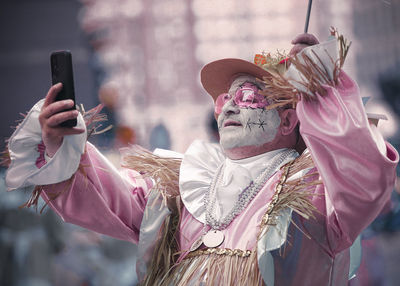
(51, 116)
(302, 41)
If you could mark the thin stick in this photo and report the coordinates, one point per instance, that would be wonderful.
(308, 16)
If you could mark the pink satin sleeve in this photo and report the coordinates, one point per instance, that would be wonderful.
(357, 178)
(101, 198)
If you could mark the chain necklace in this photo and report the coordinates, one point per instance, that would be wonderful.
(215, 237)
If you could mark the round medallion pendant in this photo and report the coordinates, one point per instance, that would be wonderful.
(213, 238)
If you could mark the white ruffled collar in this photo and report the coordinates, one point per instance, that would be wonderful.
(199, 165)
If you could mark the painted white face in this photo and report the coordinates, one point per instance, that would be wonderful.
(240, 124)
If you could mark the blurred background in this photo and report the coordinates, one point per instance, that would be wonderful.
(141, 59)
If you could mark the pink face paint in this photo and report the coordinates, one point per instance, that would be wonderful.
(220, 102)
(246, 96)
(248, 125)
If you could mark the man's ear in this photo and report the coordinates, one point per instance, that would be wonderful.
(289, 121)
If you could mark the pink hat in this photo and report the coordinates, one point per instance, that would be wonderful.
(216, 77)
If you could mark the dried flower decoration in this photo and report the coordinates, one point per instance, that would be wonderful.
(274, 63)
(283, 93)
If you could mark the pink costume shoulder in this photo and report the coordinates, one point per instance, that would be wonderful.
(101, 198)
(357, 177)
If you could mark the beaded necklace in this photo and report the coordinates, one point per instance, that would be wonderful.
(214, 237)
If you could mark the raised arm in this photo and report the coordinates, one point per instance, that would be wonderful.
(74, 178)
(358, 178)
(356, 166)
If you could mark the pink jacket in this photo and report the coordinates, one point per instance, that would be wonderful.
(357, 182)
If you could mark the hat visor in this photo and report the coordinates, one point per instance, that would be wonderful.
(216, 77)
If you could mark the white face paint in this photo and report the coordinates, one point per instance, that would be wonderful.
(245, 126)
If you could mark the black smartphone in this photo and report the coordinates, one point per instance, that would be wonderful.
(61, 71)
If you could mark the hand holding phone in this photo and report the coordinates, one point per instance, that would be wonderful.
(58, 116)
(61, 71)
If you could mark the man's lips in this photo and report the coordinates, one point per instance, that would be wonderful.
(231, 122)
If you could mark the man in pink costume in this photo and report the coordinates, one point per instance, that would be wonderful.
(249, 211)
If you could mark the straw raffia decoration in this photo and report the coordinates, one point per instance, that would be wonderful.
(283, 93)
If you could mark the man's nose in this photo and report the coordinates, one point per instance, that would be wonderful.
(230, 108)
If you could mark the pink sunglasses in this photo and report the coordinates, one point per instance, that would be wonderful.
(246, 96)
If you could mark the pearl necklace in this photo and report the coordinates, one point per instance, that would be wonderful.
(215, 237)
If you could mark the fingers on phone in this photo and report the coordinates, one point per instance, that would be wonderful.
(56, 119)
(57, 107)
(52, 94)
